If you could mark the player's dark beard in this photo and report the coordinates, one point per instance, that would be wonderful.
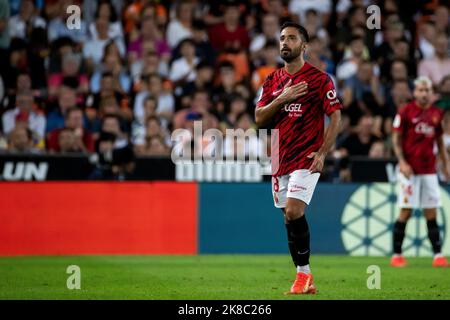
(290, 55)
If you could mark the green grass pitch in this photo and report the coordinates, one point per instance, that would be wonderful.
(215, 277)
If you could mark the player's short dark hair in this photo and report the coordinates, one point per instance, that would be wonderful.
(300, 29)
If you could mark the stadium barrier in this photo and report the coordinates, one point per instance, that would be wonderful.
(54, 167)
(54, 218)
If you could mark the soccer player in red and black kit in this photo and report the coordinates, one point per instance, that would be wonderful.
(417, 128)
(294, 100)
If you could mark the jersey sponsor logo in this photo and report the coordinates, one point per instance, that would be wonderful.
(331, 94)
(334, 102)
(294, 109)
(424, 128)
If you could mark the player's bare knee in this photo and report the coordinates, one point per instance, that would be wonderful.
(430, 213)
(405, 214)
(292, 213)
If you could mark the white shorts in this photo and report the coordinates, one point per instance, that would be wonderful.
(300, 185)
(420, 191)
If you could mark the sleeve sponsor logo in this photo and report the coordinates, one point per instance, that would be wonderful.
(331, 94)
(397, 121)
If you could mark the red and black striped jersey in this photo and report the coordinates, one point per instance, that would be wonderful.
(300, 123)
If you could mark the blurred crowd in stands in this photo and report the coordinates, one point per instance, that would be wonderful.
(132, 72)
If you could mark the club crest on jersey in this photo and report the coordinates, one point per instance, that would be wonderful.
(294, 109)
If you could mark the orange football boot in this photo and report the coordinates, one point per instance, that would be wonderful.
(398, 261)
(303, 284)
(440, 262)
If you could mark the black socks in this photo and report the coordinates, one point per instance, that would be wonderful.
(433, 235)
(399, 235)
(298, 240)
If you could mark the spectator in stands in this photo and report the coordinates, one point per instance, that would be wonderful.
(352, 58)
(84, 141)
(360, 142)
(203, 47)
(156, 147)
(354, 19)
(180, 27)
(16, 63)
(399, 94)
(166, 102)
(227, 86)
(317, 55)
(386, 39)
(140, 131)
(237, 106)
(23, 84)
(230, 35)
(111, 124)
(67, 141)
(66, 99)
(26, 115)
(363, 93)
(183, 68)
(109, 87)
(270, 63)
(150, 63)
(94, 49)
(313, 24)
(230, 39)
(150, 38)
(113, 64)
(399, 72)
(104, 150)
(270, 32)
(444, 94)
(441, 19)
(199, 110)
(70, 74)
(300, 8)
(21, 25)
(401, 51)
(427, 33)
(105, 10)
(437, 67)
(20, 140)
(203, 80)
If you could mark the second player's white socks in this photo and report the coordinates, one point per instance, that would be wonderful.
(304, 269)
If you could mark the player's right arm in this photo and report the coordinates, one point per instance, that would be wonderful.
(264, 113)
(397, 131)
